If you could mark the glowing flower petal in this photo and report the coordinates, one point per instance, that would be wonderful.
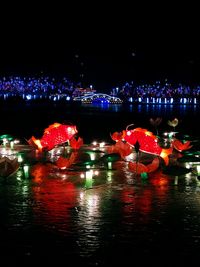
(124, 149)
(116, 136)
(76, 144)
(153, 166)
(173, 123)
(155, 122)
(64, 163)
(179, 146)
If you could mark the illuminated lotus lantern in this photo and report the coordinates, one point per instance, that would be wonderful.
(76, 144)
(173, 123)
(63, 163)
(138, 167)
(148, 143)
(55, 134)
(180, 146)
(122, 148)
(117, 136)
(6, 138)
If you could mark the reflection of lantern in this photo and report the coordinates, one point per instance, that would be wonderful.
(109, 177)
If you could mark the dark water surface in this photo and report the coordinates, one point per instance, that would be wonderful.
(93, 121)
(57, 218)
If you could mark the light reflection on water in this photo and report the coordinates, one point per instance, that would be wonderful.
(52, 217)
(120, 215)
(152, 109)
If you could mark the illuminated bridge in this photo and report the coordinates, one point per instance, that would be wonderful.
(98, 98)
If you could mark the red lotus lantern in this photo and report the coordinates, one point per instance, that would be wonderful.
(76, 144)
(179, 146)
(124, 149)
(139, 168)
(64, 163)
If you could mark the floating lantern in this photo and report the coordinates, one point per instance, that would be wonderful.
(6, 137)
(16, 141)
(88, 179)
(82, 175)
(19, 158)
(109, 176)
(26, 171)
(76, 144)
(180, 146)
(89, 174)
(5, 141)
(94, 143)
(148, 143)
(110, 165)
(12, 144)
(140, 168)
(102, 144)
(173, 123)
(55, 134)
(117, 136)
(92, 155)
(123, 149)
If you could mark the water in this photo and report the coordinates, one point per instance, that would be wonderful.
(57, 218)
(25, 119)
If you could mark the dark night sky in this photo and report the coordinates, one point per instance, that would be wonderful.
(108, 46)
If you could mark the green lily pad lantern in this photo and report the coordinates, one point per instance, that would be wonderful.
(6, 136)
(176, 170)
